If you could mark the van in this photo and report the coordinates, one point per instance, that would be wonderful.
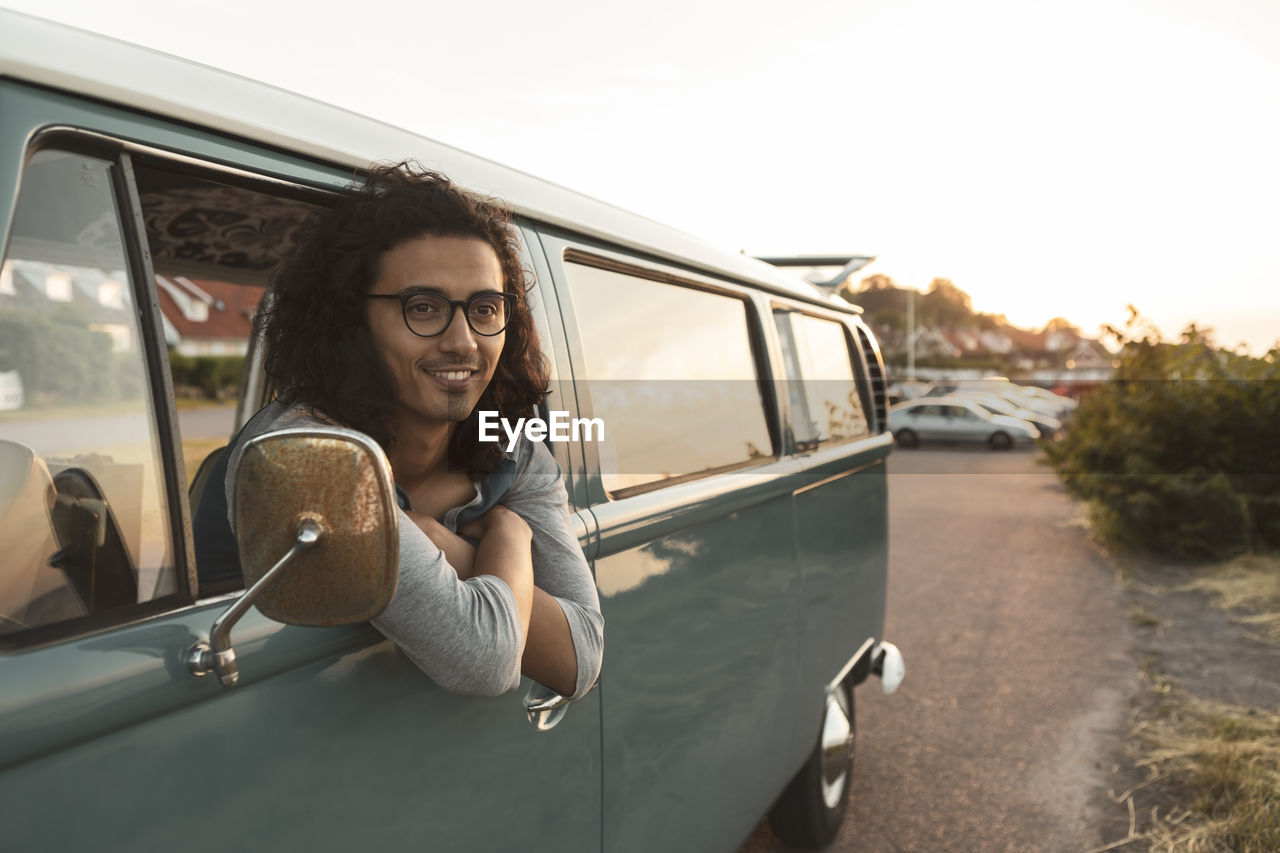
(734, 515)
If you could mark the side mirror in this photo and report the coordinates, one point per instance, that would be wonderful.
(317, 528)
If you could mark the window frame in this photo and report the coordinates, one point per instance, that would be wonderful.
(857, 363)
(124, 156)
(159, 391)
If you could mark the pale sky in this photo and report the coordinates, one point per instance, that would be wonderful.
(1050, 158)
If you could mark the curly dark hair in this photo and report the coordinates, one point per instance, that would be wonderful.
(319, 351)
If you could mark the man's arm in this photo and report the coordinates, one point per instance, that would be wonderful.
(504, 552)
(549, 657)
(560, 568)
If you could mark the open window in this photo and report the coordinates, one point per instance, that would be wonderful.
(215, 239)
(126, 278)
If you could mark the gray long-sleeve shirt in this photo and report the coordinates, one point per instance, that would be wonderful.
(465, 635)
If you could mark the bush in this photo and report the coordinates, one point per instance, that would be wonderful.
(60, 359)
(1179, 453)
(214, 377)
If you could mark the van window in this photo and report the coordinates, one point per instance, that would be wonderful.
(214, 243)
(213, 248)
(825, 405)
(84, 521)
(673, 376)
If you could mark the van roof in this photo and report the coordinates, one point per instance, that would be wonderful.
(62, 57)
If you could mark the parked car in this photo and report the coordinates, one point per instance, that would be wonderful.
(955, 419)
(735, 517)
(1047, 426)
(1065, 405)
(999, 386)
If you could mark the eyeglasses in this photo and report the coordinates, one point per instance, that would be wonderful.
(429, 313)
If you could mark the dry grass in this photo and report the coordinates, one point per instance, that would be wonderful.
(1223, 762)
(194, 450)
(1251, 584)
(1213, 768)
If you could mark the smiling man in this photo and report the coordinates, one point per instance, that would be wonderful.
(403, 314)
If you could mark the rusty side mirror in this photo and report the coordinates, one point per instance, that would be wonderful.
(317, 527)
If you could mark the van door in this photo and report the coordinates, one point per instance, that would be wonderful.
(842, 505)
(695, 561)
(334, 740)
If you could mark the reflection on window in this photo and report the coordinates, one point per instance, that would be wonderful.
(111, 293)
(84, 522)
(672, 375)
(825, 405)
(57, 286)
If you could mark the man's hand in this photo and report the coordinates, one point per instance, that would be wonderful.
(549, 656)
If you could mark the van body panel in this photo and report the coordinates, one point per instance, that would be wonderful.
(841, 531)
(355, 749)
(120, 677)
(699, 676)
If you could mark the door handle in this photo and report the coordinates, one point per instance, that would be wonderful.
(545, 707)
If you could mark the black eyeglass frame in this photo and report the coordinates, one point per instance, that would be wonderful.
(454, 304)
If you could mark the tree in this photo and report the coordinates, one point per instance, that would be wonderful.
(889, 319)
(879, 281)
(945, 291)
(879, 284)
(945, 306)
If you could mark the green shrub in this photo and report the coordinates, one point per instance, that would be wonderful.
(60, 359)
(214, 377)
(1179, 453)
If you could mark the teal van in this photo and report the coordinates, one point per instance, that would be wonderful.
(734, 512)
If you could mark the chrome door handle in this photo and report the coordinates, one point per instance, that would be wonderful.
(544, 707)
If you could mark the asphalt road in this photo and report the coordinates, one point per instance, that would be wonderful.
(1019, 672)
(50, 436)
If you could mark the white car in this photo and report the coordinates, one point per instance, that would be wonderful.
(930, 419)
(1001, 388)
(11, 395)
(1064, 404)
(1047, 425)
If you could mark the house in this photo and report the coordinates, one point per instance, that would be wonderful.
(200, 317)
(933, 343)
(98, 295)
(1088, 355)
(204, 317)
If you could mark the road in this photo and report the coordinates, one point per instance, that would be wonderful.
(1019, 672)
(49, 436)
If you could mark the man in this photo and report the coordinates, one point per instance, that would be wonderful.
(403, 314)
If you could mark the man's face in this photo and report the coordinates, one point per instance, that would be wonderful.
(438, 379)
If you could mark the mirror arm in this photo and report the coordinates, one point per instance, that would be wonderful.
(218, 655)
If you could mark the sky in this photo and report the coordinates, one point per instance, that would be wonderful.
(1049, 158)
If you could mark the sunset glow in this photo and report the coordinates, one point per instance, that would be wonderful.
(1050, 159)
